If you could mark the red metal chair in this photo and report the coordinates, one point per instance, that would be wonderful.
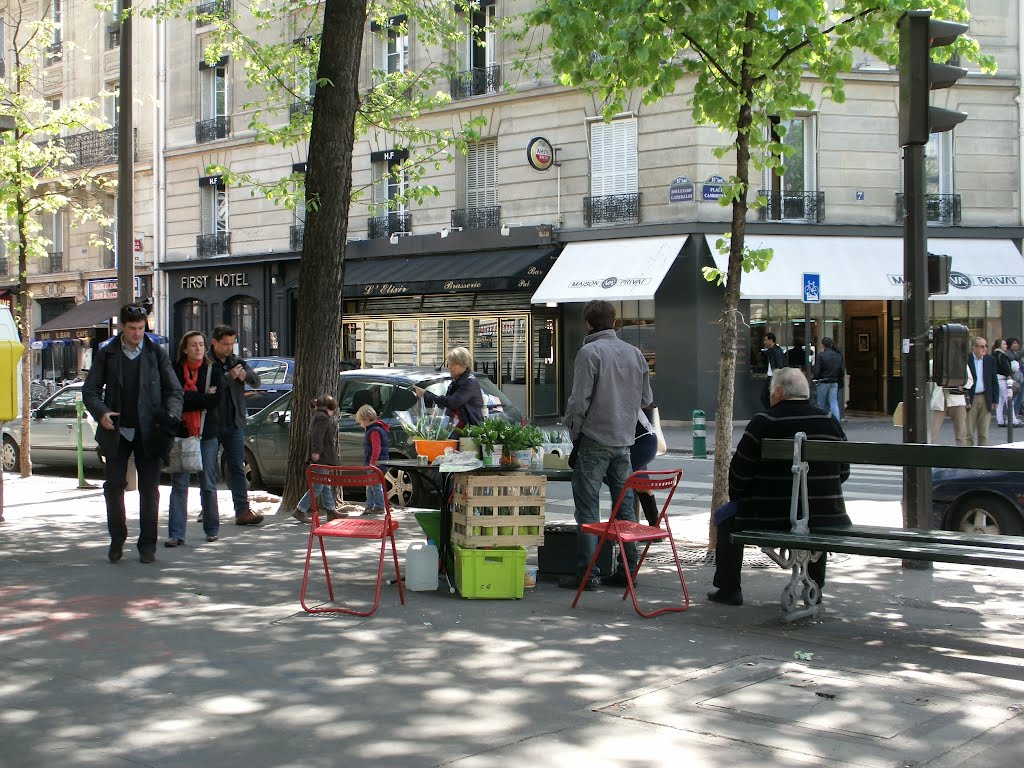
(622, 531)
(349, 528)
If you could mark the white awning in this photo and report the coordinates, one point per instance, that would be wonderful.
(614, 270)
(872, 267)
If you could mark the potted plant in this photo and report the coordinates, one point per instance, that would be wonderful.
(520, 441)
(490, 436)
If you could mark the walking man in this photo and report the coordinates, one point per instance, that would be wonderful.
(233, 374)
(133, 394)
(828, 372)
(981, 397)
(611, 381)
(776, 362)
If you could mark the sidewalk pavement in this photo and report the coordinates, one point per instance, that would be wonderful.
(204, 658)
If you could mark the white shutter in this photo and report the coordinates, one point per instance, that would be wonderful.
(380, 187)
(490, 38)
(380, 52)
(482, 174)
(209, 94)
(599, 153)
(207, 206)
(810, 126)
(613, 158)
(946, 186)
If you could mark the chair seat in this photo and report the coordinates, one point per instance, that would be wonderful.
(627, 531)
(356, 528)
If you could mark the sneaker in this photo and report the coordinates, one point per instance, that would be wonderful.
(617, 579)
(248, 518)
(174, 543)
(726, 598)
(573, 582)
(301, 516)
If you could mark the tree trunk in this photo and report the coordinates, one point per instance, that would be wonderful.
(731, 300)
(24, 321)
(328, 190)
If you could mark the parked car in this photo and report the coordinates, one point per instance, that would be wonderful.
(277, 376)
(54, 433)
(979, 500)
(388, 390)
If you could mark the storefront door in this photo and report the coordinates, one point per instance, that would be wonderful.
(865, 362)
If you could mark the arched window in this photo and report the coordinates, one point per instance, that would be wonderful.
(242, 316)
(190, 315)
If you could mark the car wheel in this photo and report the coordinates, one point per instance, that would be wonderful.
(9, 455)
(252, 472)
(987, 514)
(404, 489)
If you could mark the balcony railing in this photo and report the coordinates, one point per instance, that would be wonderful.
(475, 82)
(483, 217)
(54, 52)
(941, 209)
(295, 236)
(385, 226)
(217, 244)
(205, 10)
(94, 147)
(5, 268)
(54, 262)
(213, 129)
(113, 36)
(612, 209)
(300, 107)
(793, 206)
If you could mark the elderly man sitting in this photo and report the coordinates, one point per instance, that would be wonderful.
(760, 490)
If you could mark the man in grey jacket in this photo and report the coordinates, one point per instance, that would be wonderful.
(611, 381)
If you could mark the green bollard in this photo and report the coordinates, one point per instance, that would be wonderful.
(700, 436)
(80, 411)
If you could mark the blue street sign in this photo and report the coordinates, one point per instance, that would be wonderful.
(812, 288)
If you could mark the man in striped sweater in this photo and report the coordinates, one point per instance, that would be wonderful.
(761, 489)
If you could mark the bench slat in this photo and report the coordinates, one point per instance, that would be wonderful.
(896, 548)
(899, 454)
(924, 536)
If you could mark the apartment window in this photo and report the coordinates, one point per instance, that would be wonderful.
(53, 224)
(214, 238)
(482, 174)
(108, 251)
(942, 204)
(113, 28)
(389, 186)
(112, 104)
(613, 173)
(792, 190)
(56, 47)
(391, 45)
(214, 84)
(477, 55)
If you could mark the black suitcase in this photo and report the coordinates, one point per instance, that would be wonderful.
(558, 555)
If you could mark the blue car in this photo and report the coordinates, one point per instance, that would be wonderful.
(979, 500)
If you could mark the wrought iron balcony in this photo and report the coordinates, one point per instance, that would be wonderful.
(802, 205)
(213, 129)
(941, 209)
(113, 36)
(295, 236)
(94, 147)
(204, 11)
(474, 82)
(300, 107)
(612, 209)
(54, 53)
(482, 217)
(54, 262)
(217, 244)
(385, 226)
(5, 267)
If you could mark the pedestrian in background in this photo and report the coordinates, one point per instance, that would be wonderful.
(323, 449)
(776, 361)
(199, 416)
(376, 447)
(828, 372)
(1004, 377)
(952, 401)
(133, 394)
(982, 394)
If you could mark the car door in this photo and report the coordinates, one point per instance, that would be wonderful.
(268, 442)
(355, 394)
(55, 430)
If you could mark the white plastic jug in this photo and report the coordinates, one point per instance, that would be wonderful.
(421, 567)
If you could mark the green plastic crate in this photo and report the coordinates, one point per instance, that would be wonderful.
(490, 574)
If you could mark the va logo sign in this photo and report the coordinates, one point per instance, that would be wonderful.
(960, 280)
(609, 282)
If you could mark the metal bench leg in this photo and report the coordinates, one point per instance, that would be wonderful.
(800, 586)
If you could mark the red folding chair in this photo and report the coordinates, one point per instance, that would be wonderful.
(623, 531)
(349, 528)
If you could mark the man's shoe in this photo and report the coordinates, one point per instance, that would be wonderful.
(301, 516)
(212, 537)
(248, 518)
(148, 556)
(199, 517)
(373, 511)
(573, 582)
(174, 543)
(726, 598)
(115, 551)
(617, 579)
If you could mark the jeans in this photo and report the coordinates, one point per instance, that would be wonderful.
(829, 393)
(148, 469)
(232, 438)
(324, 497)
(374, 496)
(177, 515)
(596, 465)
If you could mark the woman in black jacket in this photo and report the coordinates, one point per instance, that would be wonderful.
(464, 399)
(201, 400)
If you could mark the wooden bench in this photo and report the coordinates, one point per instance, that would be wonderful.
(796, 548)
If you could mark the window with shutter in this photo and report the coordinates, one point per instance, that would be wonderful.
(390, 47)
(387, 187)
(213, 209)
(613, 158)
(215, 92)
(482, 174)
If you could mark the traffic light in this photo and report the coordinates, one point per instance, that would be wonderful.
(919, 33)
(938, 273)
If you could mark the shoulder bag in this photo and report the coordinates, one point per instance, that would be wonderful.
(186, 454)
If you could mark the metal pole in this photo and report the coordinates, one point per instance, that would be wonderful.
(917, 496)
(125, 167)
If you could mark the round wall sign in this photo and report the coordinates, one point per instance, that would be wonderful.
(539, 154)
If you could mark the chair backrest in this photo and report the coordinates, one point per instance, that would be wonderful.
(649, 480)
(346, 477)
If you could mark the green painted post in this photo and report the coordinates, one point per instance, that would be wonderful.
(700, 436)
(80, 411)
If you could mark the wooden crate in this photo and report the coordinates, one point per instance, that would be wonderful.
(498, 509)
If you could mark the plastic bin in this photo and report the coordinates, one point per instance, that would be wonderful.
(490, 574)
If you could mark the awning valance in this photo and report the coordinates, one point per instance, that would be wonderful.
(872, 267)
(513, 269)
(78, 322)
(614, 270)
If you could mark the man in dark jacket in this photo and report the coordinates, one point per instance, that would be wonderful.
(776, 359)
(133, 394)
(983, 395)
(829, 373)
(232, 374)
(761, 490)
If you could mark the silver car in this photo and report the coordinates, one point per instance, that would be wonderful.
(54, 434)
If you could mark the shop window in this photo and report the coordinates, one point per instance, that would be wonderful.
(788, 321)
(375, 344)
(242, 316)
(614, 196)
(981, 318)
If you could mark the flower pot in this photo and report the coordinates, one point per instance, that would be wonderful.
(434, 448)
(497, 451)
(469, 445)
(524, 457)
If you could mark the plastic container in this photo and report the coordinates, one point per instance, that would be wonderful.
(421, 567)
(430, 522)
(434, 448)
(495, 574)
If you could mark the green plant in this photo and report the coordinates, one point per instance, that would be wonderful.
(490, 433)
(523, 436)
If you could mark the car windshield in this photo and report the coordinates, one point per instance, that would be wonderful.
(271, 371)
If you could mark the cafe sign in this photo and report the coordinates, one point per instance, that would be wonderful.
(107, 289)
(540, 154)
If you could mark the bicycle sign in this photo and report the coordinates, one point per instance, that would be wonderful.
(812, 288)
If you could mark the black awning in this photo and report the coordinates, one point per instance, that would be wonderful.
(78, 322)
(512, 269)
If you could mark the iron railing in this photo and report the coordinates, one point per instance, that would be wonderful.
(803, 205)
(213, 129)
(385, 226)
(54, 52)
(612, 209)
(296, 235)
(54, 262)
(482, 217)
(475, 82)
(216, 8)
(217, 244)
(300, 107)
(94, 147)
(941, 209)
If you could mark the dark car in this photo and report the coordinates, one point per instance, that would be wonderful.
(388, 390)
(277, 376)
(979, 500)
